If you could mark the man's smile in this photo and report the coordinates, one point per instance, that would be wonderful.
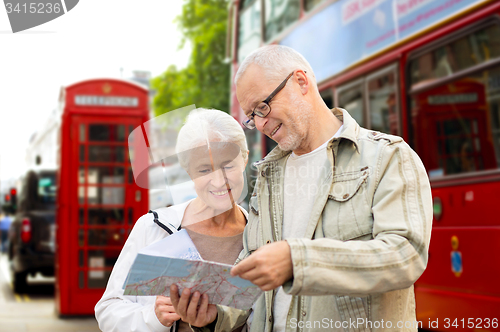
(275, 130)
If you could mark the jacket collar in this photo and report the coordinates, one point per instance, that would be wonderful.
(350, 131)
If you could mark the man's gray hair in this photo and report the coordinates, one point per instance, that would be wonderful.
(277, 61)
(209, 125)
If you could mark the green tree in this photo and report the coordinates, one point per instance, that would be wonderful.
(206, 80)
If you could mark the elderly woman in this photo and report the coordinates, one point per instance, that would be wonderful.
(206, 150)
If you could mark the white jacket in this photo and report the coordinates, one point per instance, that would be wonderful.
(121, 313)
(118, 312)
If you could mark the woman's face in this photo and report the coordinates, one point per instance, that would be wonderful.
(217, 173)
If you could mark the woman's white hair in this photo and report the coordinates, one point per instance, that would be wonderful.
(209, 125)
(277, 61)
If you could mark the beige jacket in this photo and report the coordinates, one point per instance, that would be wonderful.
(366, 241)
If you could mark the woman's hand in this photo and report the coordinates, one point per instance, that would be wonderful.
(187, 307)
(165, 311)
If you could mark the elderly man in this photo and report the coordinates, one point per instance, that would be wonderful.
(340, 218)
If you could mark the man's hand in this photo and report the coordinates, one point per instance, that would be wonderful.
(268, 267)
(186, 306)
(165, 311)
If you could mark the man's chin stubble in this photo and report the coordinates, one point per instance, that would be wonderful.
(290, 143)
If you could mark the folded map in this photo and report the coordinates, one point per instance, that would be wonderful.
(152, 274)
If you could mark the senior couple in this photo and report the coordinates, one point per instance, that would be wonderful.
(349, 252)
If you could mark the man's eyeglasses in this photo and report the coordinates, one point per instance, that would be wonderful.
(263, 108)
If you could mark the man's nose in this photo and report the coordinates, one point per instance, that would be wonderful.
(259, 123)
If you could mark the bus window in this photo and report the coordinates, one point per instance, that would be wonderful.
(494, 103)
(383, 102)
(254, 146)
(310, 4)
(254, 141)
(279, 15)
(351, 98)
(249, 35)
(456, 127)
(327, 96)
(463, 53)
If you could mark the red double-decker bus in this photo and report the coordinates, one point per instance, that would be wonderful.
(429, 71)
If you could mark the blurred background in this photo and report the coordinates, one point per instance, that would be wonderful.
(73, 89)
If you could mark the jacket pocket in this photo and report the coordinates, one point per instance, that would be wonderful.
(347, 213)
(354, 309)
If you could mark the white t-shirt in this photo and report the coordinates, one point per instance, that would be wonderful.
(301, 185)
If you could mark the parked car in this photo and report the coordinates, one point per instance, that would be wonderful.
(32, 232)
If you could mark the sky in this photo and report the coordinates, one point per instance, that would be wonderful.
(97, 38)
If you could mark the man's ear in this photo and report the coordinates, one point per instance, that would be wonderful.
(303, 81)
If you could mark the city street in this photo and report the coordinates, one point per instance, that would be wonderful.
(35, 310)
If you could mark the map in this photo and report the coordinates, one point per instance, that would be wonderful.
(152, 275)
(175, 260)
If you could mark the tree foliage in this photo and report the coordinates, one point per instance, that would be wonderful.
(206, 80)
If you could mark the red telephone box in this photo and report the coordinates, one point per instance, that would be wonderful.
(98, 200)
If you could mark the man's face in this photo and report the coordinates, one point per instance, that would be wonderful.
(290, 117)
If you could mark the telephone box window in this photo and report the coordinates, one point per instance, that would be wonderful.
(105, 216)
(81, 132)
(103, 153)
(105, 174)
(106, 237)
(81, 280)
(106, 133)
(81, 259)
(81, 216)
(82, 153)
